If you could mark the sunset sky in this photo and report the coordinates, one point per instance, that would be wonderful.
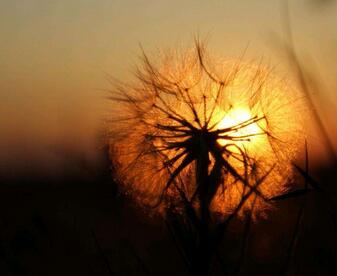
(54, 57)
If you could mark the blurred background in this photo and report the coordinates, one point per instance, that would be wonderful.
(55, 57)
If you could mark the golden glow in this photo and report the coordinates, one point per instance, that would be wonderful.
(255, 109)
(249, 136)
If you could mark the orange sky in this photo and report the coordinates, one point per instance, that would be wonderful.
(54, 56)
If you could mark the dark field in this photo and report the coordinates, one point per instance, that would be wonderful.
(79, 225)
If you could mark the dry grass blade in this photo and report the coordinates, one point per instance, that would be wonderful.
(310, 180)
(101, 253)
(298, 223)
(292, 194)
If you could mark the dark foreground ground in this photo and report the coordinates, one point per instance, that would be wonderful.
(79, 227)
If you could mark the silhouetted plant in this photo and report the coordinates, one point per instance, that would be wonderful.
(202, 142)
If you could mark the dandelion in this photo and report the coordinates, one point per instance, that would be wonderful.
(217, 136)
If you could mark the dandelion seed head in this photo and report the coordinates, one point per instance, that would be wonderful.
(243, 115)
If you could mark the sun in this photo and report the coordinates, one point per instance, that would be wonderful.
(251, 136)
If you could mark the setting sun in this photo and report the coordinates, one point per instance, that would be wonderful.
(246, 137)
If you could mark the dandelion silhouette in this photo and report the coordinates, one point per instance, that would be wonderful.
(214, 136)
